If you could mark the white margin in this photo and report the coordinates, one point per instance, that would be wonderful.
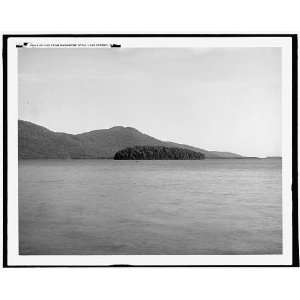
(14, 259)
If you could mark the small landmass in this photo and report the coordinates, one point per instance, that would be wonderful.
(157, 153)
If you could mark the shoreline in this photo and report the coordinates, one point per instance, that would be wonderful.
(111, 158)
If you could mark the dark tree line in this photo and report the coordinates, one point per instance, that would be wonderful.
(158, 153)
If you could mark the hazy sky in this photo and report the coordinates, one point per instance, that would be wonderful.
(226, 99)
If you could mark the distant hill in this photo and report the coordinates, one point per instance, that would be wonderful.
(39, 142)
(157, 153)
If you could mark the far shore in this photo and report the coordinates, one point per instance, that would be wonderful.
(111, 158)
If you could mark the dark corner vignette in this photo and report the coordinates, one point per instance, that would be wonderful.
(295, 239)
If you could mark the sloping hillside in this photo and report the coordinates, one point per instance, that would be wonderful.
(38, 142)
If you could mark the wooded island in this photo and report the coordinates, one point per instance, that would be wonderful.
(157, 153)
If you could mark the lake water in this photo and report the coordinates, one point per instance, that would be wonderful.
(213, 206)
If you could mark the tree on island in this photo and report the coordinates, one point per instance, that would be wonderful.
(157, 153)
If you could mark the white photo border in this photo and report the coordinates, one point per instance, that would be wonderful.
(288, 45)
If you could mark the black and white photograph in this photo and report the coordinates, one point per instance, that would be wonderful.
(150, 151)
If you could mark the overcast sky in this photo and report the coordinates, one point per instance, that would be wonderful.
(226, 99)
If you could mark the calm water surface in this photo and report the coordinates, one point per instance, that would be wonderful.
(150, 207)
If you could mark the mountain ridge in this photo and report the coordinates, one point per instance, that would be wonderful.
(36, 141)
